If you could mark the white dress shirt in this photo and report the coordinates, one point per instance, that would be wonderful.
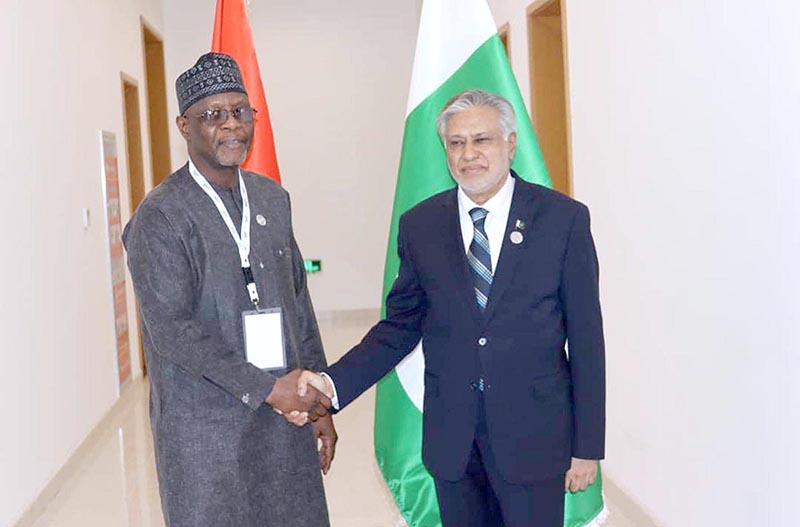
(498, 207)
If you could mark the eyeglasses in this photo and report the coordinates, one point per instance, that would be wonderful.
(219, 116)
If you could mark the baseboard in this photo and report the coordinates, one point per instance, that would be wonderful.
(629, 508)
(84, 454)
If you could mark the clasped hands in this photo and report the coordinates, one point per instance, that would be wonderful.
(287, 399)
(301, 396)
(294, 399)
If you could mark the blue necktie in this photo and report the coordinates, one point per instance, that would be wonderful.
(479, 257)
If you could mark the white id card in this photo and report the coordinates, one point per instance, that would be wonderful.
(263, 338)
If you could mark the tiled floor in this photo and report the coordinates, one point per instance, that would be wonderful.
(113, 482)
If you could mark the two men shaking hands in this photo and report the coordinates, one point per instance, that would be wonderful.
(496, 276)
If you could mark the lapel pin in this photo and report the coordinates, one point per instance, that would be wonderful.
(261, 220)
(516, 237)
(520, 225)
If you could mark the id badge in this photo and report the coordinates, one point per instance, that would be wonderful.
(263, 338)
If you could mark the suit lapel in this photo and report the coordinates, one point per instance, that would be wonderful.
(454, 252)
(523, 207)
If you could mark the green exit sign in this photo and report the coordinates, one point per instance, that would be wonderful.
(313, 266)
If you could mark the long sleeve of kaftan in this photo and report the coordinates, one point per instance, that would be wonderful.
(166, 282)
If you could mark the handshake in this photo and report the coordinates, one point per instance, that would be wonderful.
(300, 396)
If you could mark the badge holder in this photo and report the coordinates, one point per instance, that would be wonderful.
(263, 338)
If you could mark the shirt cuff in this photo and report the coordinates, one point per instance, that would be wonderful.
(335, 398)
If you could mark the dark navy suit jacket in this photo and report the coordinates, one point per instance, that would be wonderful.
(542, 407)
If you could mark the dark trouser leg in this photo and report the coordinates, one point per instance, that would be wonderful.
(469, 502)
(540, 504)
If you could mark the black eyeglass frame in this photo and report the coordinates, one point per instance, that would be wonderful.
(219, 116)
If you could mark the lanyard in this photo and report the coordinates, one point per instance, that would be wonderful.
(242, 239)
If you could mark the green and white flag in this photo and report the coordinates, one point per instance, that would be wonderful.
(457, 49)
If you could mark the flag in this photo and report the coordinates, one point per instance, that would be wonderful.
(232, 36)
(457, 48)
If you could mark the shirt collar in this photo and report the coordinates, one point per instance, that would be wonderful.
(498, 205)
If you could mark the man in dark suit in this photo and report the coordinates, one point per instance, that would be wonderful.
(496, 277)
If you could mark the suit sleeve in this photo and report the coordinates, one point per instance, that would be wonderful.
(389, 340)
(166, 286)
(579, 293)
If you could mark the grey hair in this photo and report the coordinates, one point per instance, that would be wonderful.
(472, 98)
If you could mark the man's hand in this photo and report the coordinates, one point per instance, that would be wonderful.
(285, 399)
(320, 383)
(317, 383)
(581, 474)
(326, 433)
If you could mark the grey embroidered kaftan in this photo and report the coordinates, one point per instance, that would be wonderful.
(224, 458)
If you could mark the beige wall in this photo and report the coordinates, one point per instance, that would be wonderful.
(684, 130)
(336, 76)
(60, 66)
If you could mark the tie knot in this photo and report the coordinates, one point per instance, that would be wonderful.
(478, 214)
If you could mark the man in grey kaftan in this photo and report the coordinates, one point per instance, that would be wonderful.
(224, 457)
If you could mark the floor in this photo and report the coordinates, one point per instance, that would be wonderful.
(111, 481)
